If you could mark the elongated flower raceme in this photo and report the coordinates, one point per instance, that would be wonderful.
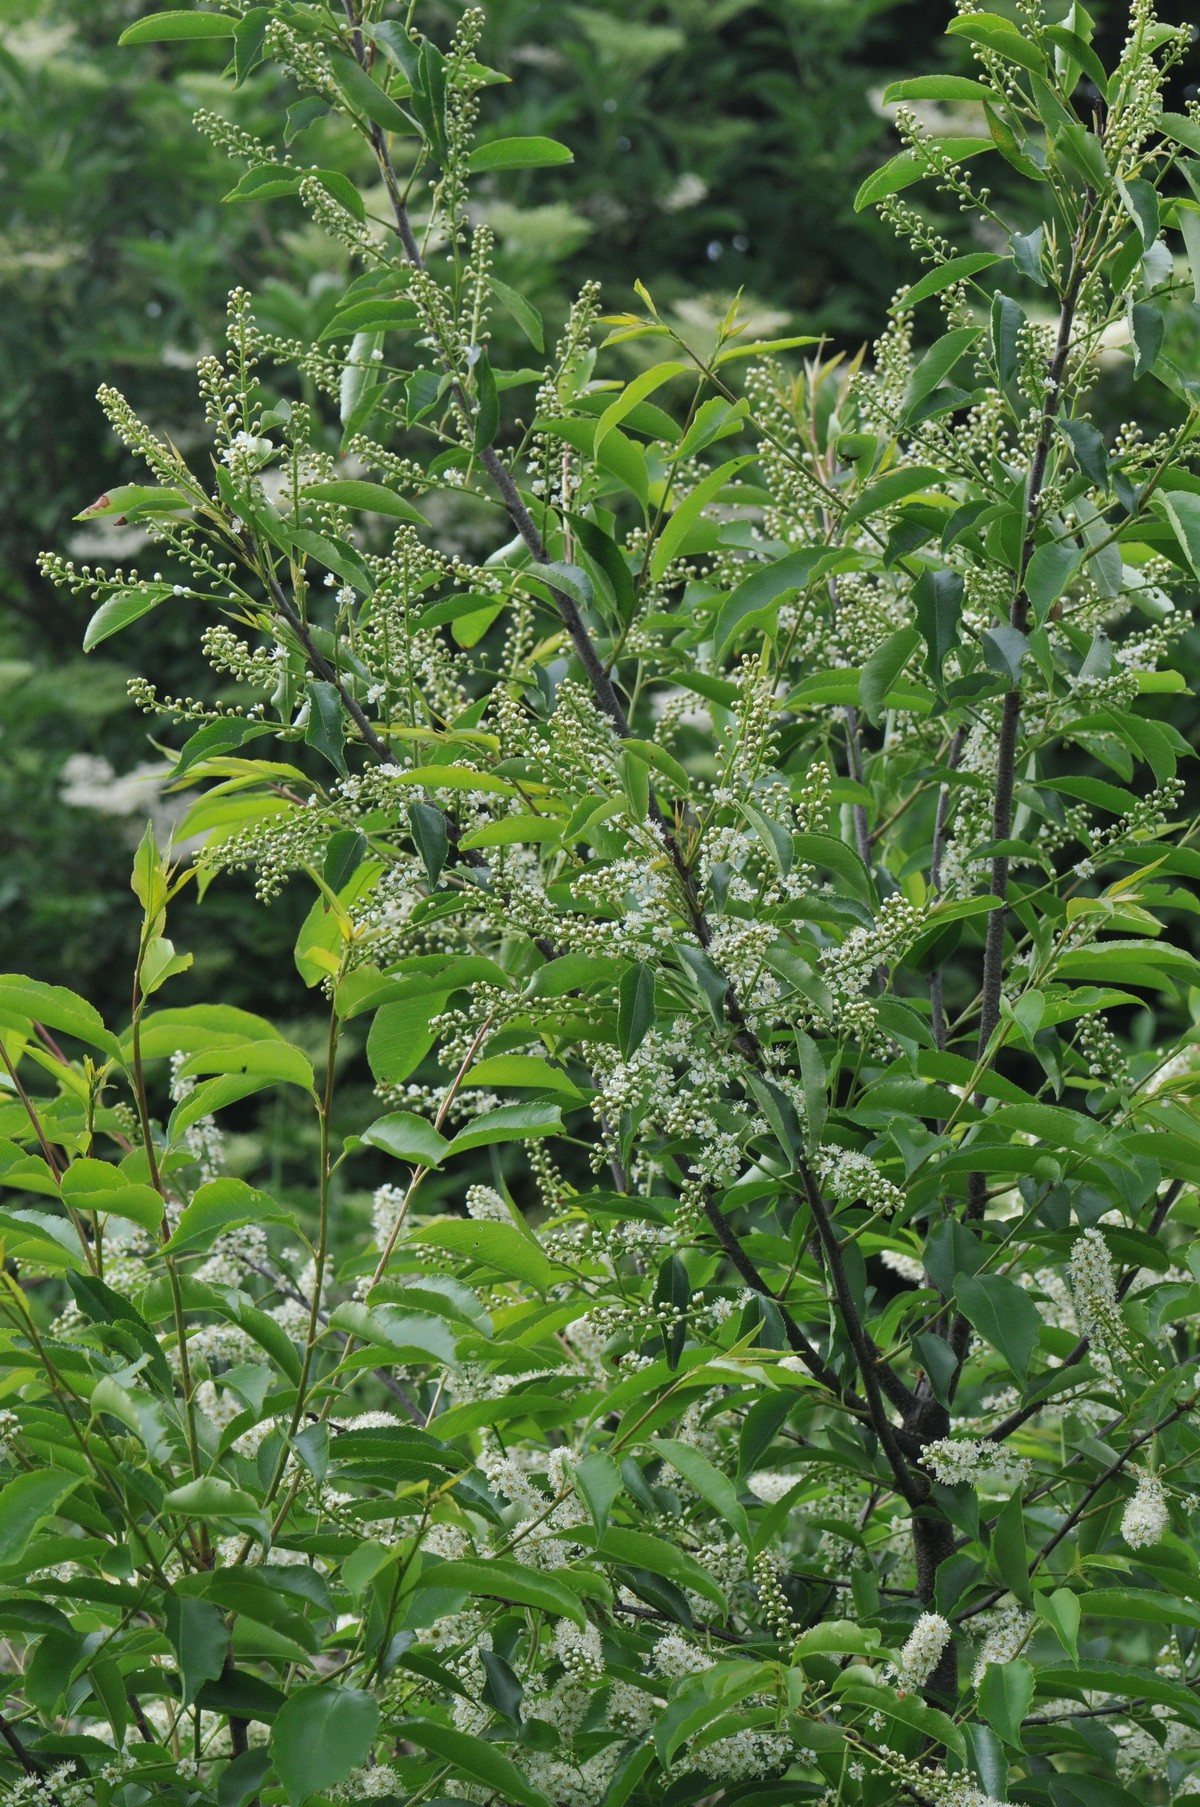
(921, 1652)
(1146, 1517)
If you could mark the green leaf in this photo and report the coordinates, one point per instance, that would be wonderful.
(518, 153)
(499, 1246)
(160, 28)
(937, 363)
(1004, 650)
(1182, 509)
(522, 311)
(271, 1060)
(409, 1336)
(360, 376)
(1083, 152)
(374, 315)
(366, 96)
(987, 1760)
(90, 1185)
(524, 1071)
(407, 1136)
(200, 1640)
(895, 486)
(373, 498)
(215, 1498)
(714, 1488)
(1026, 248)
(400, 1037)
(326, 726)
(221, 1205)
(635, 1007)
(938, 602)
(754, 599)
(510, 831)
(497, 1579)
(1007, 321)
(956, 269)
(671, 540)
(1004, 1698)
(1140, 200)
(432, 837)
(598, 1480)
(1180, 128)
(1090, 453)
(569, 580)
(482, 1762)
(938, 87)
(119, 611)
(320, 1734)
(632, 395)
(215, 738)
(487, 403)
(27, 1502)
(510, 1123)
(826, 851)
(906, 168)
(249, 42)
(1049, 572)
(33, 1001)
(882, 669)
(1004, 1315)
(641, 1550)
(1187, 218)
(992, 32)
(1061, 1611)
(1147, 329)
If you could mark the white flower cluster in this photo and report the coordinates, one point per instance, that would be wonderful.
(853, 1178)
(579, 1650)
(1146, 1517)
(1094, 1286)
(1003, 1633)
(986, 1465)
(921, 1653)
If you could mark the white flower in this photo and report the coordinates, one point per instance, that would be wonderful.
(770, 1486)
(1145, 1517)
(1004, 1631)
(975, 1459)
(578, 1650)
(907, 1266)
(921, 1654)
(854, 1178)
(1094, 1284)
(674, 1656)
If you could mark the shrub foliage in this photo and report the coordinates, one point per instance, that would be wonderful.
(740, 805)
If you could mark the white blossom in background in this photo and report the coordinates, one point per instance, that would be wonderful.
(1003, 1632)
(921, 1653)
(485, 1203)
(907, 1266)
(770, 1485)
(203, 1140)
(1145, 1517)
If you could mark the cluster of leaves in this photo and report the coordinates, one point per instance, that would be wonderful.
(762, 851)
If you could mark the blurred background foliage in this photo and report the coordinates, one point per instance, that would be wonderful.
(718, 146)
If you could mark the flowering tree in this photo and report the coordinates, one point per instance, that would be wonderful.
(739, 805)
